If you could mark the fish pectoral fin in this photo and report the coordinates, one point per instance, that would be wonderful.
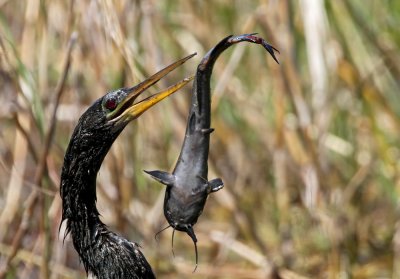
(162, 177)
(216, 184)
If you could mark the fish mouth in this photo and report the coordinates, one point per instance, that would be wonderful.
(128, 110)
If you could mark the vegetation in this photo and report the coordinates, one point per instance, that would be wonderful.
(308, 150)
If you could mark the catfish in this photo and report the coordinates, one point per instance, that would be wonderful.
(188, 186)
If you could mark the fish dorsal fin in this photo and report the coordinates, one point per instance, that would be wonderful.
(162, 177)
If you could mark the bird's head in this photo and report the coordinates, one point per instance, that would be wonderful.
(117, 108)
(105, 119)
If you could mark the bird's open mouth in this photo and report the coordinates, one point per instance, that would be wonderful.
(127, 110)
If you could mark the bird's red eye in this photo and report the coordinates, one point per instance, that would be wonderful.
(111, 104)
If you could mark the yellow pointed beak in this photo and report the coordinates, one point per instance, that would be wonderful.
(127, 110)
(135, 110)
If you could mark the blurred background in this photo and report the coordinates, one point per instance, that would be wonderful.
(308, 149)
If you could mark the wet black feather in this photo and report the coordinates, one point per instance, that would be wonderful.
(103, 253)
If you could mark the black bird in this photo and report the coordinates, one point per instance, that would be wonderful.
(104, 254)
(188, 186)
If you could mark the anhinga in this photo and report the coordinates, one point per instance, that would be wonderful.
(104, 254)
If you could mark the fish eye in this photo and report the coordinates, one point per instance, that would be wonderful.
(111, 104)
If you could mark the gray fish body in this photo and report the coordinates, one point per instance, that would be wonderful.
(188, 186)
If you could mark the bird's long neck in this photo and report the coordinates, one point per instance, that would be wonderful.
(103, 253)
(78, 188)
(82, 161)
